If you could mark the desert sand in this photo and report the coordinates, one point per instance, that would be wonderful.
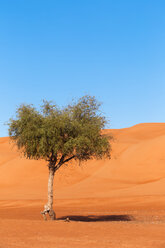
(110, 203)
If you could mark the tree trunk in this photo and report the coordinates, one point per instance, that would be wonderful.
(50, 194)
(50, 188)
(48, 208)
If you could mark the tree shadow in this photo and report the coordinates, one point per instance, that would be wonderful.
(97, 218)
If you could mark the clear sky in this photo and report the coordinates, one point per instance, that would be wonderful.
(61, 49)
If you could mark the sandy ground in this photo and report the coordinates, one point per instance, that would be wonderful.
(110, 203)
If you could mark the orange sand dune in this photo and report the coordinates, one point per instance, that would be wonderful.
(115, 203)
(137, 168)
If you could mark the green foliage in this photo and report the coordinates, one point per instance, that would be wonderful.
(59, 135)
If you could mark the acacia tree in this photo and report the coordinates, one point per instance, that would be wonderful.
(60, 135)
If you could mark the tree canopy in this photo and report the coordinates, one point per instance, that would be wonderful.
(58, 135)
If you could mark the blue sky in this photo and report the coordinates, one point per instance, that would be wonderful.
(59, 49)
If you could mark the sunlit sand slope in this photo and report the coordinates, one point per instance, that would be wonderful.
(136, 169)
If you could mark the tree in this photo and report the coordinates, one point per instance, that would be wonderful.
(60, 135)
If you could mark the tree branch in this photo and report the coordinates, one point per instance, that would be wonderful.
(68, 159)
(62, 161)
